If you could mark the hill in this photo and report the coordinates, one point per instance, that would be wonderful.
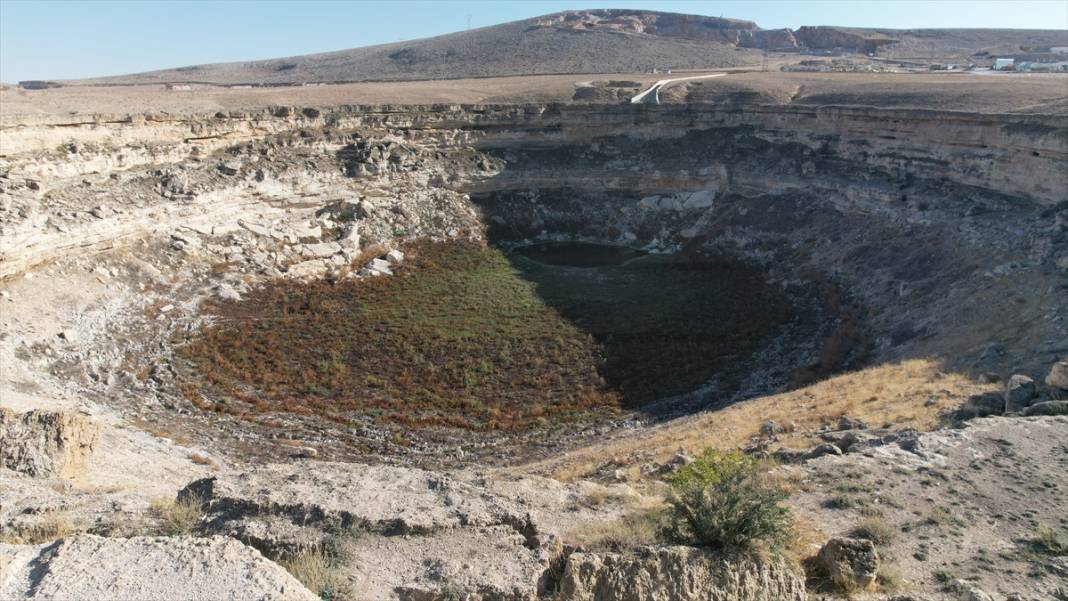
(595, 41)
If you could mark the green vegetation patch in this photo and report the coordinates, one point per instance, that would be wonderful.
(471, 337)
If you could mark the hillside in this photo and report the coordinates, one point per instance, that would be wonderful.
(597, 41)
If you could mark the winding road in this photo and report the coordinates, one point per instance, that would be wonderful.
(652, 94)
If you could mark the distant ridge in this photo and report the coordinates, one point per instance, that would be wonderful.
(595, 41)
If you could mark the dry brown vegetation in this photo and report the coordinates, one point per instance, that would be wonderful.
(177, 516)
(468, 337)
(913, 393)
(317, 571)
(54, 525)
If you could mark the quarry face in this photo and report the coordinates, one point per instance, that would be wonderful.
(473, 333)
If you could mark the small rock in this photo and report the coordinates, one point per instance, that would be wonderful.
(69, 335)
(227, 292)
(229, 168)
(1058, 375)
(851, 563)
(395, 257)
(307, 452)
(771, 428)
(989, 378)
(1019, 391)
(849, 423)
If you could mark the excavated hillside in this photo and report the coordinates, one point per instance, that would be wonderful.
(474, 332)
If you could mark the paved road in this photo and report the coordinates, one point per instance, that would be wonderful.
(652, 94)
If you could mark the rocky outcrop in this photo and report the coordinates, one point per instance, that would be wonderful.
(678, 574)
(87, 568)
(1019, 390)
(46, 443)
(332, 496)
(407, 533)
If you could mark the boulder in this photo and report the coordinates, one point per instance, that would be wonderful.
(229, 168)
(308, 269)
(1019, 391)
(678, 574)
(702, 199)
(823, 449)
(320, 250)
(771, 428)
(850, 423)
(982, 405)
(380, 266)
(87, 567)
(46, 443)
(394, 257)
(968, 591)
(1058, 376)
(1047, 408)
(850, 563)
(350, 240)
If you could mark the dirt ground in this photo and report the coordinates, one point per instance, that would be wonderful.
(977, 92)
(121, 99)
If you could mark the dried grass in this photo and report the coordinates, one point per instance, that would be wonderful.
(913, 393)
(177, 516)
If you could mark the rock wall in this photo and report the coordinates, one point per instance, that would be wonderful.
(46, 443)
(949, 196)
(678, 574)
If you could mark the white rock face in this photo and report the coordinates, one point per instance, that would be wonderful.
(91, 568)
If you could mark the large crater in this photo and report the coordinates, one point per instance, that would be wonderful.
(730, 253)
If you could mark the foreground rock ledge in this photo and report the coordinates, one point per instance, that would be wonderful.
(90, 568)
(678, 574)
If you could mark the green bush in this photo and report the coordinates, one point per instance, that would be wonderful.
(723, 501)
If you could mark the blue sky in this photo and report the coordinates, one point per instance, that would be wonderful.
(61, 39)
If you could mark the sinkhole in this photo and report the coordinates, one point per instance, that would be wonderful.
(472, 337)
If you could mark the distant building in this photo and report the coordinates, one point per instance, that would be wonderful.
(179, 87)
(1059, 49)
(36, 84)
(1029, 66)
(1004, 64)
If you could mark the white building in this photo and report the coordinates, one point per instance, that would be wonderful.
(1004, 64)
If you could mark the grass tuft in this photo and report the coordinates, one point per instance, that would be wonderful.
(177, 516)
(318, 571)
(53, 526)
(875, 530)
